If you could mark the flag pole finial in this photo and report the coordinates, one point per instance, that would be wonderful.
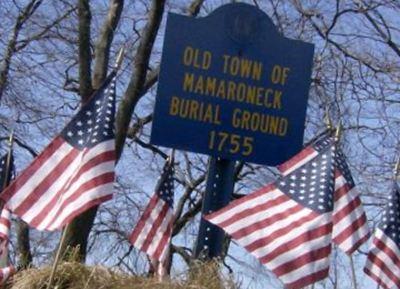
(171, 157)
(338, 132)
(8, 161)
(327, 119)
(11, 139)
(120, 57)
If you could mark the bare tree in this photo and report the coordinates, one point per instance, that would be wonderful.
(55, 54)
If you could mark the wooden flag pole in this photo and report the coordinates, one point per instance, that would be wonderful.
(57, 257)
(328, 120)
(118, 63)
(4, 259)
(9, 156)
(120, 57)
(353, 272)
(338, 132)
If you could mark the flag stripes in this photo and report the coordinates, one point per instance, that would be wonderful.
(5, 223)
(383, 262)
(61, 182)
(350, 227)
(298, 160)
(153, 233)
(154, 229)
(289, 239)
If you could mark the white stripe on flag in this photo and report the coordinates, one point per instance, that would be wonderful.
(160, 233)
(268, 196)
(380, 274)
(38, 176)
(277, 225)
(299, 250)
(317, 222)
(149, 223)
(96, 171)
(305, 270)
(58, 183)
(300, 163)
(260, 215)
(85, 198)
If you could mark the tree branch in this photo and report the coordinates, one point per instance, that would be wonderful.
(136, 84)
(102, 51)
(85, 58)
(25, 14)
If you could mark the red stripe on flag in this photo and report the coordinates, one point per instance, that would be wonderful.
(382, 266)
(155, 226)
(90, 184)
(248, 212)
(387, 250)
(376, 278)
(269, 221)
(165, 239)
(309, 279)
(342, 191)
(84, 208)
(346, 210)
(296, 159)
(5, 222)
(358, 244)
(33, 167)
(293, 243)
(142, 222)
(261, 242)
(101, 158)
(259, 192)
(350, 229)
(36, 193)
(302, 260)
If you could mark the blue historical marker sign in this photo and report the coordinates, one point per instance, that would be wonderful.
(230, 86)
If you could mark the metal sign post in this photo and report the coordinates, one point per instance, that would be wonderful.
(220, 183)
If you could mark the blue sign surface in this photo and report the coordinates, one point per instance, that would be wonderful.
(231, 86)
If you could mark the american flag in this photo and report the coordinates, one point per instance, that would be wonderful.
(287, 225)
(383, 262)
(350, 227)
(6, 171)
(6, 272)
(74, 172)
(152, 233)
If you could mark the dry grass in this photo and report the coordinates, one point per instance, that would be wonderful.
(73, 275)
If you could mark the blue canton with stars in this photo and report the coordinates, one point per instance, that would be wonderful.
(165, 186)
(390, 223)
(3, 170)
(340, 159)
(312, 184)
(94, 123)
(342, 166)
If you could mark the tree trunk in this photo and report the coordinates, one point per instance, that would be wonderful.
(23, 245)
